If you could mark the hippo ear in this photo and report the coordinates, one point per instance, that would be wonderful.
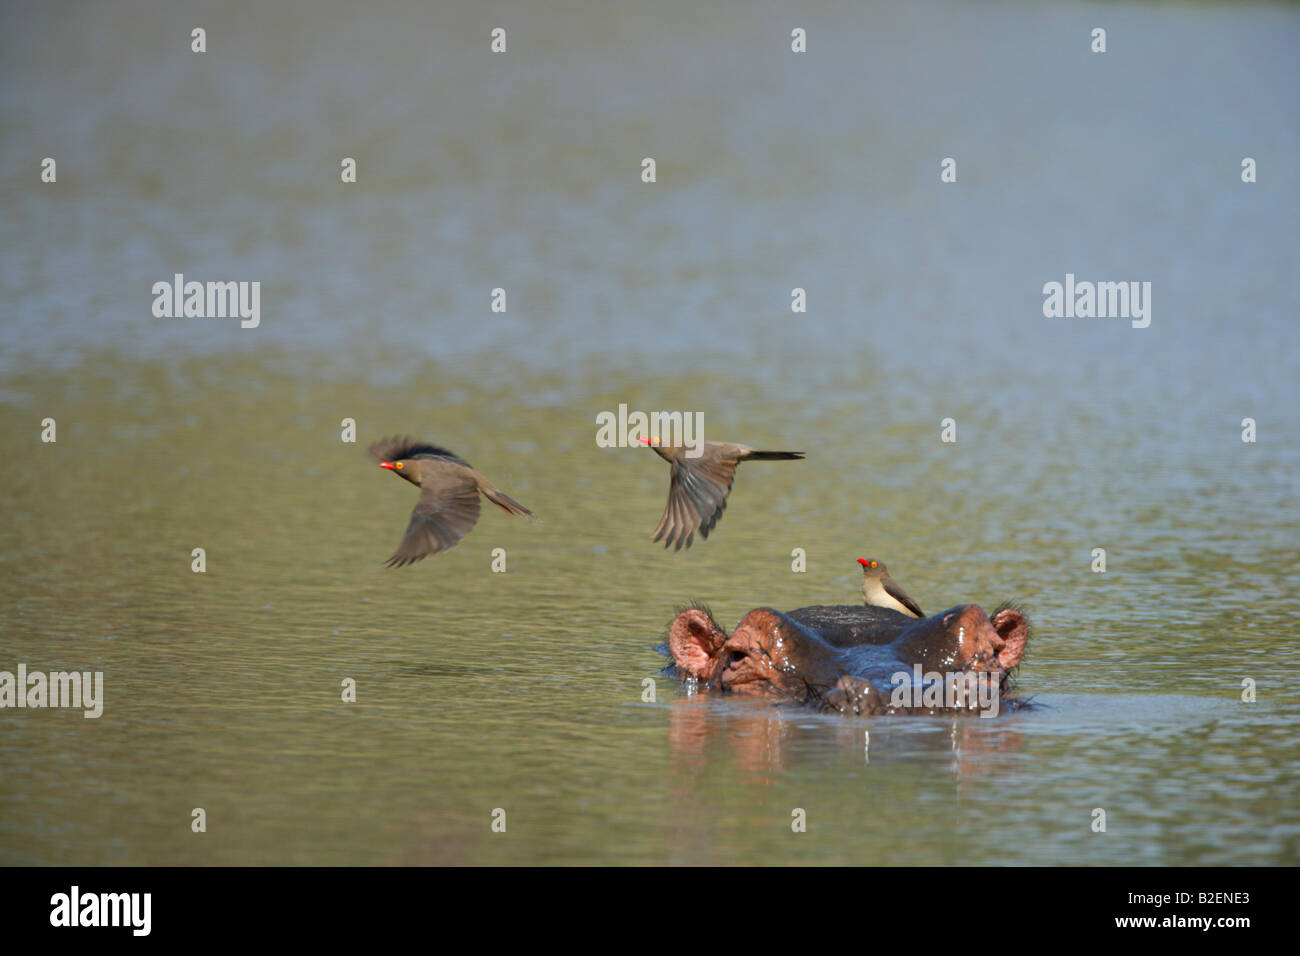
(694, 641)
(1014, 631)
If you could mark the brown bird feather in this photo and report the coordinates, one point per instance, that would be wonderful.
(449, 488)
(697, 493)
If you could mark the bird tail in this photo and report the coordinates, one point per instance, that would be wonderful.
(504, 501)
(774, 455)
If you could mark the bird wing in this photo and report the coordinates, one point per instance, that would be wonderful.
(696, 498)
(400, 447)
(447, 510)
(899, 595)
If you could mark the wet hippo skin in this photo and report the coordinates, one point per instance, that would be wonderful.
(844, 658)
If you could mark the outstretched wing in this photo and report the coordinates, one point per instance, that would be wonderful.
(446, 512)
(696, 498)
(398, 448)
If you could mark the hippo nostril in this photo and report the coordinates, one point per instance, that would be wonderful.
(736, 657)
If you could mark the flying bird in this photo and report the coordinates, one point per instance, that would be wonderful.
(699, 488)
(449, 490)
(880, 590)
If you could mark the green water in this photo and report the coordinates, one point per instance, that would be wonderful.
(523, 690)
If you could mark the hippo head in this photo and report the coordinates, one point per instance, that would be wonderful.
(771, 653)
(964, 638)
(767, 653)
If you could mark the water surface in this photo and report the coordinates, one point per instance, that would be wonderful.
(524, 690)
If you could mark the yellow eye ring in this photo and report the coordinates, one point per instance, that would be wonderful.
(398, 465)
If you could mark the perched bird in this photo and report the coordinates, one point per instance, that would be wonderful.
(698, 493)
(449, 490)
(880, 590)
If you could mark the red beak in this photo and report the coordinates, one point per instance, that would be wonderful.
(386, 464)
(644, 441)
(863, 561)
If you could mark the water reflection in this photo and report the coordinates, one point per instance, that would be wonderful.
(766, 739)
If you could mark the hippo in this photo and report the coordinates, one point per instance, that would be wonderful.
(858, 659)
